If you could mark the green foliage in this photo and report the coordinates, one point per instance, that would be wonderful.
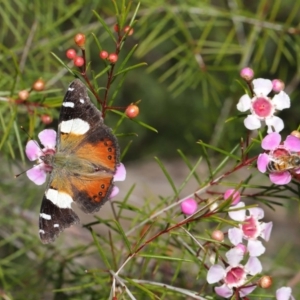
(183, 62)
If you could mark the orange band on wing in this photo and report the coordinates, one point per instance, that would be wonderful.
(102, 153)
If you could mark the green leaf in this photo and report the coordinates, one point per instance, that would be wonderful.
(130, 68)
(100, 250)
(168, 176)
(123, 235)
(136, 121)
(103, 23)
(170, 258)
(63, 64)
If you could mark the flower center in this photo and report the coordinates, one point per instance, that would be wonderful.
(262, 107)
(278, 152)
(235, 277)
(250, 228)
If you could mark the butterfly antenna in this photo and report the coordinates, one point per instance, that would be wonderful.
(17, 175)
(30, 137)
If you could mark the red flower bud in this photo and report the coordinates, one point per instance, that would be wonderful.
(78, 61)
(71, 53)
(112, 58)
(103, 54)
(79, 39)
(38, 85)
(132, 111)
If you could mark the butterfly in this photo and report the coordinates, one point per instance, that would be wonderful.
(82, 167)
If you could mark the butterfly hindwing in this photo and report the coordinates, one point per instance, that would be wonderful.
(54, 220)
(84, 164)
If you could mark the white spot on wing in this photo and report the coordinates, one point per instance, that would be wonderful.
(56, 225)
(42, 231)
(75, 126)
(71, 89)
(45, 216)
(60, 199)
(68, 104)
(81, 100)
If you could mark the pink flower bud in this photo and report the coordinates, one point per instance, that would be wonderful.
(278, 85)
(236, 196)
(218, 235)
(189, 206)
(247, 74)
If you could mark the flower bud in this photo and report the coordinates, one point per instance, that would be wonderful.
(79, 40)
(189, 206)
(247, 74)
(265, 282)
(23, 95)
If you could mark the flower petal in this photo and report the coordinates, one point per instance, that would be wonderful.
(271, 141)
(234, 256)
(223, 291)
(252, 122)
(262, 162)
(253, 266)
(244, 291)
(257, 212)
(114, 192)
(284, 293)
(266, 230)
(33, 150)
(215, 274)
(244, 103)
(255, 248)
(274, 122)
(238, 215)
(120, 174)
(281, 100)
(262, 86)
(292, 143)
(37, 174)
(280, 178)
(48, 138)
(235, 235)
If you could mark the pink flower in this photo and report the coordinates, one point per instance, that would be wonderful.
(262, 107)
(250, 229)
(284, 293)
(277, 152)
(120, 175)
(189, 206)
(43, 158)
(236, 196)
(38, 173)
(234, 276)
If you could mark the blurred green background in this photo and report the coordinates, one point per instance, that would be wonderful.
(194, 51)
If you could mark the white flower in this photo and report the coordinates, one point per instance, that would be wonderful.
(250, 228)
(234, 276)
(262, 107)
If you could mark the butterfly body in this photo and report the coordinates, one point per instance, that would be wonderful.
(82, 168)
